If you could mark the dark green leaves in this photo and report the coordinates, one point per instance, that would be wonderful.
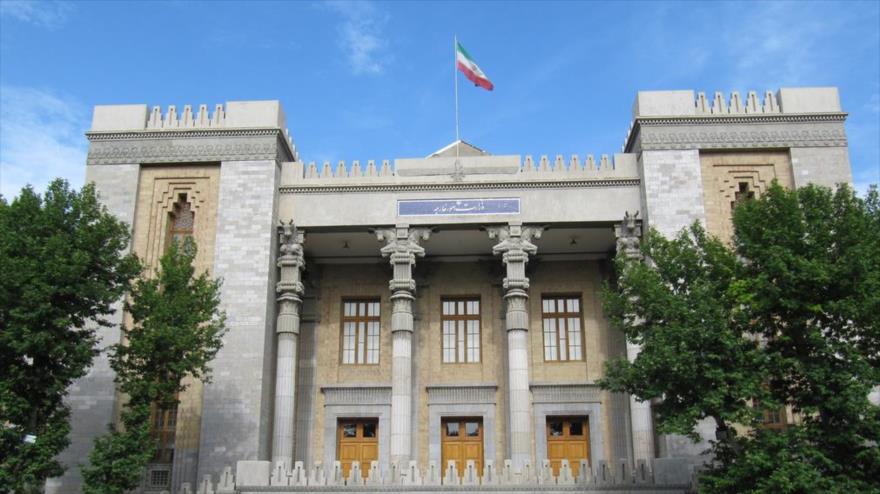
(788, 316)
(63, 261)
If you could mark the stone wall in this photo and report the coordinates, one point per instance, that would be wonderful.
(236, 417)
(672, 186)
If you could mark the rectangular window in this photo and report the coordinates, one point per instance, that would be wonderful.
(563, 336)
(460, 323)
(360, 332)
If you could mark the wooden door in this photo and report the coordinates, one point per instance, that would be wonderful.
(462, 440)
(358, 440)
(568, 438)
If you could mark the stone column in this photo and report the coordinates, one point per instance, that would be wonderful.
(290, 290)
(628, 234)
(515, 246)
(402, 247)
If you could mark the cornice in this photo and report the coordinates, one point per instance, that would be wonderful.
(180, 133)
(743, 118)
(454, 186)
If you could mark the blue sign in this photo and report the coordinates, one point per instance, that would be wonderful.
(455, 207)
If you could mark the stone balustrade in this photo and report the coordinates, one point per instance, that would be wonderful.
(663, 476)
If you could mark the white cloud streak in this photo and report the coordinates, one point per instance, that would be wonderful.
(41, 138)
(48, 15)
(360, 36)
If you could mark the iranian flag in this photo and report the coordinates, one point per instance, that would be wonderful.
(471, 70)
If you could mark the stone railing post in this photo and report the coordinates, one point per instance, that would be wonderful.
(290, 290)
(515, 246)
(402, 247)
(628, 234)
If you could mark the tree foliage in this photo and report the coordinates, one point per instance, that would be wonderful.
(176, 331)
(63, 259)
(786, 316)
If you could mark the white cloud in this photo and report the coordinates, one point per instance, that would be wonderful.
(43, 14)
(361, 36)
(41, 138)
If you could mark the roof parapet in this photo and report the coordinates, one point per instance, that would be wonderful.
(786, 100)
(618, 165)
(232, 115)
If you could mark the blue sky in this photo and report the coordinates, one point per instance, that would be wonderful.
(373, 80)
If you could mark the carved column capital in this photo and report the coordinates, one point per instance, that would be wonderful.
(402, 247)
(515, 246)
(291, 263)
(628, 234)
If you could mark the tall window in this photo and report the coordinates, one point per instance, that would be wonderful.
(563, 336)
(163, 422)
(461, 330)
(360, 332)
(181, 220)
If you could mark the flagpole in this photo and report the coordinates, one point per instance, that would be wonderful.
(455, 70)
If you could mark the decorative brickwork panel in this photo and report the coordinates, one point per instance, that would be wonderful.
(731, 177)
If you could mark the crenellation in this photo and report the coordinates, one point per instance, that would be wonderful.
(703, 106)
(735, 103)
(770, 105)
(719, 105)
(544, 167)
(608, 166)
(559, 165)
(386, 169)
(752, 102)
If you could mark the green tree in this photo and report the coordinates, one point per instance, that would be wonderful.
(64, 263)
(788, 316)
(696, 357)
(176, 330)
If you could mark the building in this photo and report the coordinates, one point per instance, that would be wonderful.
(429, 309)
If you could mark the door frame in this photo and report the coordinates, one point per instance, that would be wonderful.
(593, 412)
(332, 414)
(436, 412)
(459, 419)
(358, 421)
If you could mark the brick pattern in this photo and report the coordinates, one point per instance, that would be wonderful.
(722, 172)
(236, 417)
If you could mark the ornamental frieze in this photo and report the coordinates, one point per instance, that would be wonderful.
(110, 152)
(691, 137)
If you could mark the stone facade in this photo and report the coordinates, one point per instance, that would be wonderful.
(295, 241)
